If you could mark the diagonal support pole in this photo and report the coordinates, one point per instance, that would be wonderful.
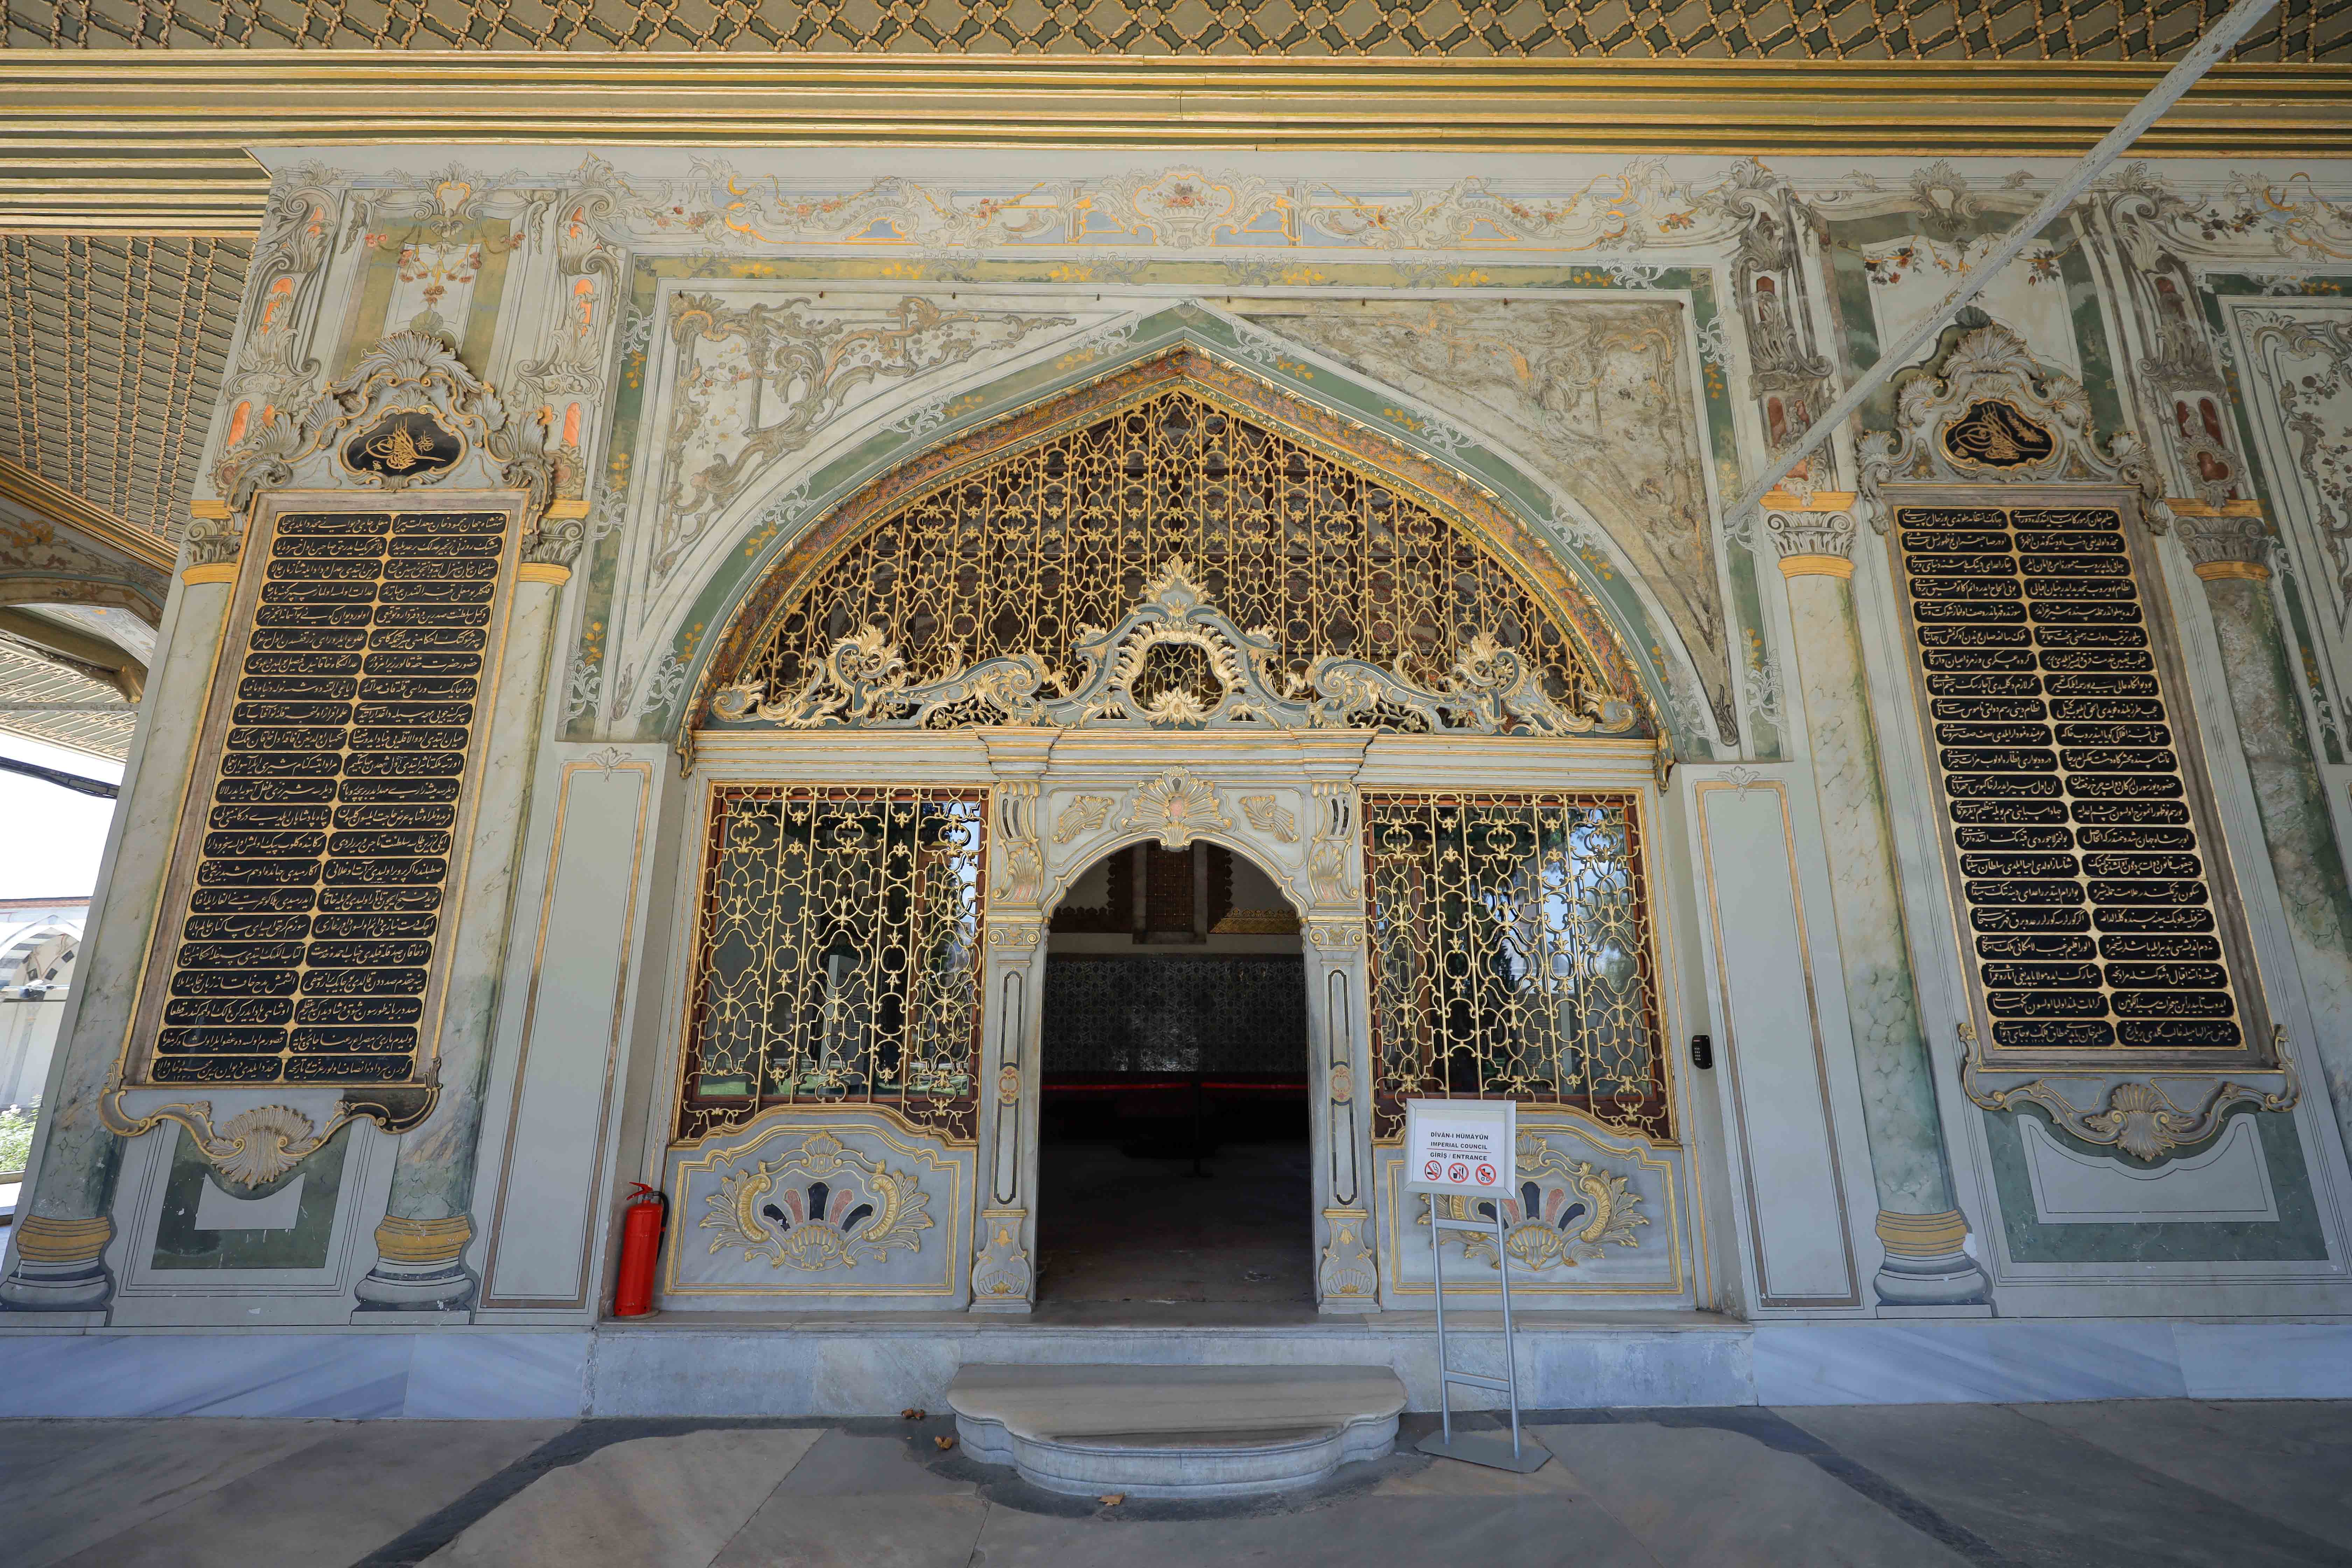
(2220, 40)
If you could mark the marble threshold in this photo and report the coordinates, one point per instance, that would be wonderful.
(748, 1364)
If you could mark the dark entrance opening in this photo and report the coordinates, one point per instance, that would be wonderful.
(1173, 1162)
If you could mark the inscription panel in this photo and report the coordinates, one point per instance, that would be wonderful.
(2093, 921)
(304, 938)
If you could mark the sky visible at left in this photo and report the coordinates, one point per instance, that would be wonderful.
(50, 836)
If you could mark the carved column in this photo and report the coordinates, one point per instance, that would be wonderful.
(2230, 553)
(1346, 1274)
(62, 1234)
(427, 1226)
(1003, 1278)
(1918, 1223)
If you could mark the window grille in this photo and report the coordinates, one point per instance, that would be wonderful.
(1511, 955)
(1029, 552)
(837, 955)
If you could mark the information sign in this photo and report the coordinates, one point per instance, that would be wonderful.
(1459, 1146)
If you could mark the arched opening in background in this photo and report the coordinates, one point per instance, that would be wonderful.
(1174, 1164)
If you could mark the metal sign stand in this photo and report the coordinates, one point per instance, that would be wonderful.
(1523, 1455)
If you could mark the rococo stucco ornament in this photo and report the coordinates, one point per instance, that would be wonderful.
(2140, 1119)
(1563, 1214)
(1989, 411)
(824, 1207)
(410, 413)
(1176, 661)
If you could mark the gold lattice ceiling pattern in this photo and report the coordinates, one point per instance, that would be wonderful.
(2301, 30)
(112, 352)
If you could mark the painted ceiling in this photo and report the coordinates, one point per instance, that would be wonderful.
(2300, 31)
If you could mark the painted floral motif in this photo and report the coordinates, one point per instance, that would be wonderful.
(1563, 1214)
(825, 1206)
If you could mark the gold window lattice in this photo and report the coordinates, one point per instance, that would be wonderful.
(1511, 955)
(1024, 555)
(837, 955)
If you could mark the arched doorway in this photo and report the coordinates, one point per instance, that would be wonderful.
(1174, 1159)
(1159, 614)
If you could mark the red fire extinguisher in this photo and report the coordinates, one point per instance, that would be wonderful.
(642, 1225)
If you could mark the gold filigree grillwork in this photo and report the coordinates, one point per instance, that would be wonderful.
(1511, 955)
(1020, 560)
(838, 958)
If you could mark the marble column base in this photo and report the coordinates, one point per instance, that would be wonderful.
(392, 1287)
(83, 1286)
(60, 1266)
(1927, 1262)
(420, 1267)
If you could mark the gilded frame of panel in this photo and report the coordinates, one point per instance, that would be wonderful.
(398, 1103)
(2255, 1052)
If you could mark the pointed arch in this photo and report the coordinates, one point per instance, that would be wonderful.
(1357, 546)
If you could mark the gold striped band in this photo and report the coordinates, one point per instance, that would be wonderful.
(423, 1240)
(44, 1240)
(1922, 1235)
(2224, 570)
(1816, 566)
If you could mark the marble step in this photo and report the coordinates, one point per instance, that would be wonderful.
(1175, 1431)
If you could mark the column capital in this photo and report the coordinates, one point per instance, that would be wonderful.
(2223, 545)
(1812, 543)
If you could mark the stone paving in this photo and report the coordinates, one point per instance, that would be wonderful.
(2133, 1484)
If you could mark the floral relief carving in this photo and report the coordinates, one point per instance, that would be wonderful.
(2139, 1118)
(1594, 393)
(1268, 815)
(1084, 814)
(755, 382)
(1178, 807)
(1175, 660)
(1563, 1214)
(821, 1206)
(2307, 363)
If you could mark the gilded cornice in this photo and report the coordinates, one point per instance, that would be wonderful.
(61, 506)
(155, 140)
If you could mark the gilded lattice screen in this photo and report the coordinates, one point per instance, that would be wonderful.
(836, 957)
(1511, 954)
(1025, 556)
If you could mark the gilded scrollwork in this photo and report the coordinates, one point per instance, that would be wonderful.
(258, 1145)
(1001, 1271)
(1564, 1213)
(1160, 605)
(1177, 808)
(1083, 814)
(823, 1206)
(1989, 408)
(1177, 661)
(2139, 1117)
(1268, 815)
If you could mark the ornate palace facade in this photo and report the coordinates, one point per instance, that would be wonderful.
(734, 668)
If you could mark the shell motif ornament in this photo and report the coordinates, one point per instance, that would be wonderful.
(825, 1207)
(1558, 1219)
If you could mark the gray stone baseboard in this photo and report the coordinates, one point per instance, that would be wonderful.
(847, 1367)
